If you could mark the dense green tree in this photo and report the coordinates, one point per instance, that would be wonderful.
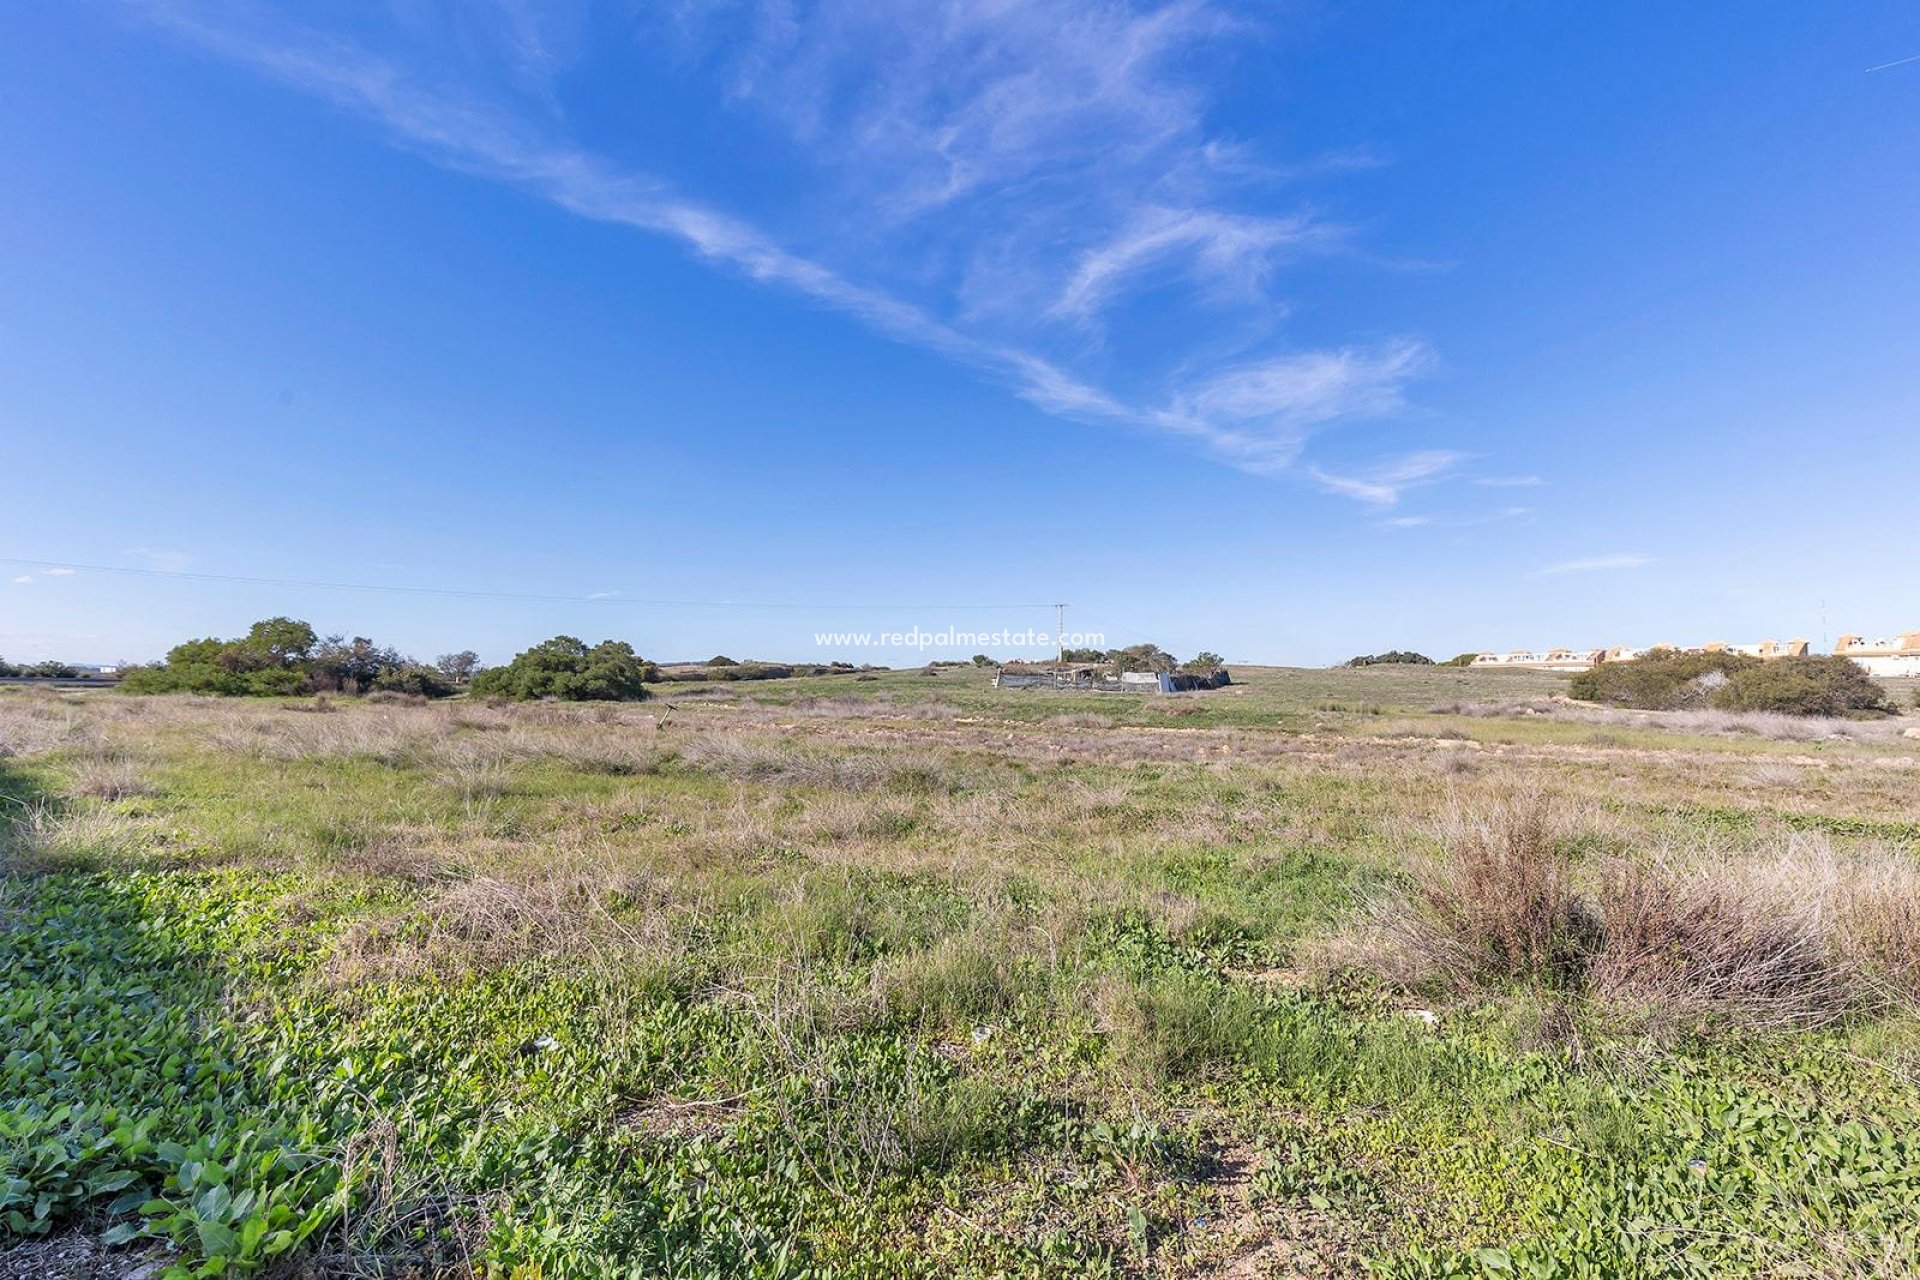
(566, 668)
(1203, 662)
(281, 657)
(1141, 657)
(273, 643)
(1392, 657)
(339, 665)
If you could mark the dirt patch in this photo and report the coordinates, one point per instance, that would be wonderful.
(679, 1119)
(76, 1256)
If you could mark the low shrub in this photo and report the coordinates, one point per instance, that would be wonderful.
(1800, 686)
(1498, 905)
(1804, 686)
(568, 669)
(1393, 657)
(1672, 941)
(1662, 681)
(1687, 946)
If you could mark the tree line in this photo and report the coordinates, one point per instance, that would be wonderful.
(49, 670)
(1138, 657)
(285, 656)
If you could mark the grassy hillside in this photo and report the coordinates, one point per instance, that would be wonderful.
(1415, 970)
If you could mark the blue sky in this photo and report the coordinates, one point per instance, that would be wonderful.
(1284, 330)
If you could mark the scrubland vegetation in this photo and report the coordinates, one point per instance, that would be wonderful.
(1810, 685)
(1411, 971)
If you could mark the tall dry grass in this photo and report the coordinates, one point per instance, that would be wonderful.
(1798, 935)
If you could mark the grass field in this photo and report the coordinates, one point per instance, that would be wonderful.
(1397, 971)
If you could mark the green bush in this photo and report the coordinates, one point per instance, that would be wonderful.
(566, 668)
(1804, 686)
(1668, 681)
(1392, 657)
(282, 657)
(1661, 681)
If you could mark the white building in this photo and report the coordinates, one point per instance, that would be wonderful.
(1892, 656)
(1549, 660)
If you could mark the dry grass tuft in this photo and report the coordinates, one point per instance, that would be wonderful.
(33, 724)
(107, 777)
(484, 923)
(1686, 944)
(1680, 938)
(1498, 904)
(39, 837)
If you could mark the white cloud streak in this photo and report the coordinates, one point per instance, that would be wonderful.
(1593, 564)
(1059, 96)
(1383, 485)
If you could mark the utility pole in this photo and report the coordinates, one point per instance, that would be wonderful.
(1060, 631)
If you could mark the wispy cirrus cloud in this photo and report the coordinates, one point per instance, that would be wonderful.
(1383, 485)
(1594, 564)
(1509, 482)
(1234, 254)
(990, 182)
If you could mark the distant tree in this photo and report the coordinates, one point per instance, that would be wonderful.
(566, 668)
(349, 666)
(1393, 657)
(460, 668)
(721, 660)
(1140, 657)
(8, 669)
(192, 666)
(50, 670)
(1203, 662)
(1084, 655)
(982, 660)
(1460, 660)
(273, 643)
(283, 657)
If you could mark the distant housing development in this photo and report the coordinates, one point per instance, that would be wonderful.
(1892, 657)
(1549, 660)
(1895, 657)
